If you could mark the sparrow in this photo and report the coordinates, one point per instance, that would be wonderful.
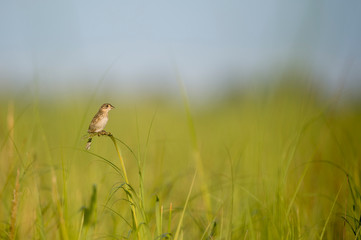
(99, 121)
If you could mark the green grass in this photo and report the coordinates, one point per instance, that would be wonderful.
(276, 163)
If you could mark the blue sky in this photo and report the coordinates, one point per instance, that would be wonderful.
(69, 42)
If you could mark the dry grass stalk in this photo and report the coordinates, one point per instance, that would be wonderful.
(10, 125)
(14, 208)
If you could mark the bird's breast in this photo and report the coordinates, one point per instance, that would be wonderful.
(101, 124)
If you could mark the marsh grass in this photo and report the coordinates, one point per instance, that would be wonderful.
(275, 167)
(353, 216)
(139, 226)
(14, 208)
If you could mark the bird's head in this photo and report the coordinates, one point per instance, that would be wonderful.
(106, 107)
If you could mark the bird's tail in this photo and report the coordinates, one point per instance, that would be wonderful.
(87, 147)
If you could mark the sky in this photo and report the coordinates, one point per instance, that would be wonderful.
(133, 45)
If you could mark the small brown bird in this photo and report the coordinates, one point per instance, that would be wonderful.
(99, 121)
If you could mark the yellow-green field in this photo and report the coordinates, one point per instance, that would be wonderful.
(271, 163)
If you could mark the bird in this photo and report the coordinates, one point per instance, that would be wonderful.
(99, 122)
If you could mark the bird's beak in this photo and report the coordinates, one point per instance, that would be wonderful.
(112, 106)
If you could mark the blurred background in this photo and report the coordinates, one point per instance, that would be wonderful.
(132, 48)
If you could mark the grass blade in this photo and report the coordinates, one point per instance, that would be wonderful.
(329, 215)
(176, 236)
